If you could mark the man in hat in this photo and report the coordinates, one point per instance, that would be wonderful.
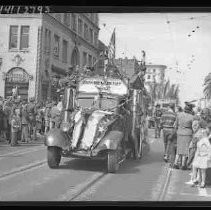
(157, 116)
(168, 120)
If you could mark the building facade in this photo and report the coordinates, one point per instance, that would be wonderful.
(36, 47)
(154, 74)
(127, 66)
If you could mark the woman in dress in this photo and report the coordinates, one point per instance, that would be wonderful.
(202, 159)
(184, 135)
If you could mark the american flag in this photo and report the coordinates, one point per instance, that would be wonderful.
(112, 46)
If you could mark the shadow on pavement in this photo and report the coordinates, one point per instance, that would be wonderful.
(84, 165)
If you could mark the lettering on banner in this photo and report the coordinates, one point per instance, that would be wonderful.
(15, 9)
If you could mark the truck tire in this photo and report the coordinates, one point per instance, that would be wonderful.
(112, 162)
(54, 156)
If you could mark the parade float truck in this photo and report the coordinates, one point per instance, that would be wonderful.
(102, 119)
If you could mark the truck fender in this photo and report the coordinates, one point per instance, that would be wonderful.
(111, 140)
(56, 137)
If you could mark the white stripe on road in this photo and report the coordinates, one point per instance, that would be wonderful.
(162, 196)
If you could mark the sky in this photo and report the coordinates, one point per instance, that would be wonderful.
(164, 38)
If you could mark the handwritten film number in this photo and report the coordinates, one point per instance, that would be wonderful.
(24, 9)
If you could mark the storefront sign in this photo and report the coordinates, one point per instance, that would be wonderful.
(18, 75)
(95, 85)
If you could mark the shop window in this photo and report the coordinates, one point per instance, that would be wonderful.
(13, 44)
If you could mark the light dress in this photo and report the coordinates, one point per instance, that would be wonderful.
(202, 158)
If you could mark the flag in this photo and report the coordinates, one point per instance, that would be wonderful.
(112, 47)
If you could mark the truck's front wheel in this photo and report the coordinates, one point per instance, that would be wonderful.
(54, 156)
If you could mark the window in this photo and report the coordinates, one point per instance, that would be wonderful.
(56, 47)
(80, 26)
(148, 76)
(96, 19)
(58, 16)
(154, 70)
(95, 39)
(64, 51)
(47, 41)
(92, 17)
(13, 44)
(91, 35)
(85, 31)
(66, 19)
(84, 58)
(74, 22)
(94, 60)
(24, 41)
(90, 61)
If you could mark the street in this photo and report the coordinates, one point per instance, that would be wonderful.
(25, 176)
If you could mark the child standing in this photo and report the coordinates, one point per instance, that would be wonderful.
(15, 126)
(202, 158)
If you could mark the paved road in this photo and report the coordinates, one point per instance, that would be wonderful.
(25, 176)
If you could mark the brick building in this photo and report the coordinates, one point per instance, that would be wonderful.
(35, 47)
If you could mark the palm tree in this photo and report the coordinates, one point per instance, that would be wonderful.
(166, 88)
(207, 88)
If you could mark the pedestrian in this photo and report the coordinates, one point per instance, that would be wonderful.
(39, 119)
(47, 116)
(184, 122)
(24, 124)
(15, 126)
(168, 120)
(1, 122)
(199, 131)
(157, 117)
(31, 109)
(8, 112)
(55, 116)
(202, 159)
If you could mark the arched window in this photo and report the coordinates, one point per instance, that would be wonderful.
(17, 77)
(75, 57)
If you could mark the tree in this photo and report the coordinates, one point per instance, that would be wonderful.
(207, 88)
(163, 91)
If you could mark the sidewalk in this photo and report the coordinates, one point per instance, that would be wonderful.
(40, 140)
